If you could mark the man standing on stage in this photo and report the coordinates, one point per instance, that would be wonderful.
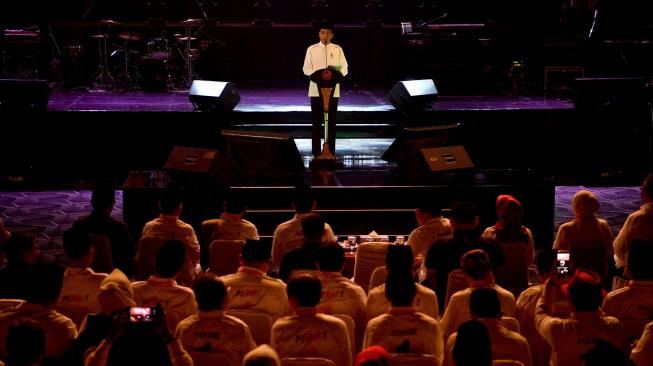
(324, 55)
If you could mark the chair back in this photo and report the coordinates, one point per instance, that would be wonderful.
(225, 254)
(209, 358)
(379, 276)
(456, 281)
(513, 275)
(507, 363)
(351, 330)
(412, 359)
(368, 256)
(148, 247)
(260, 324)
(590, 256)
(510, 323)
(306, 361)
(77, 315)
(205, 238)
(103, 259)
(10, 303)
(633, 328)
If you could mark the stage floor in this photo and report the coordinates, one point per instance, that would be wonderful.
(354, 99)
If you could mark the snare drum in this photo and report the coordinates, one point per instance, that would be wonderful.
(158, 48)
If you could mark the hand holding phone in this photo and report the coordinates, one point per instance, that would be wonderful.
(562, 264)
(142, 314)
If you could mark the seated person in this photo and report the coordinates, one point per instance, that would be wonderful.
(25, 343)
(22, 254)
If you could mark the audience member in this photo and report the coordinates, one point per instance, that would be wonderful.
(525, 309)
(403, 329)
(432, 228)
(444, 257)
(100, 222)
(251, 289)
(604, 353)
(510, 229)
(638, 225)
(399, 259)
(472, 345)
(373, 356)
(484, 306)
(570, 338)
(478, 270)
(211, 331)
(304, 257)
(25, 343)
(161, 288)
(169, 226)
(81, 285)
(307, 333)
(289, 235)
(43, 286)
(22, 254)
(642, 354)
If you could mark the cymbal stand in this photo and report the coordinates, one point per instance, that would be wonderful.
(103, 77)
(188, 57)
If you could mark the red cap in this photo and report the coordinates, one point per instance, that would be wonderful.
(503, 201)
(584, 284)
(372, 353)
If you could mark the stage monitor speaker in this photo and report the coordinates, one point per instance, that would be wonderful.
(413, 94)
(23, 94)
(213, 96)
(261, 158)
(446, 158)
(610, 94)
(185, 163)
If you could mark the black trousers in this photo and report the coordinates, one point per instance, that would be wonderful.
(317, 110)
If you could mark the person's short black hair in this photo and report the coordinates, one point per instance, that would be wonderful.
(305, 289)
(76, 243)
(210, 292)
(103, 196)
(463, 212)
(303, 199)
(399, 258)
(400, 289)
(330, 257)
(234, 203)
(544, 260)
(170, 199)
(473, 346)
(604, 353)
(17, 245)
(170, 258)
(476, 263)
(431, 206)
(647, 185)
(313, 226)
(324, 25)
(256, 251)
(25, 341)
(639, 258)
(44, 283)
(484, 303)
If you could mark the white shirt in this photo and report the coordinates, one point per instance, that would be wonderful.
(405, 330)
(631, 305)
(570, 338)
(60, 331)
(308, 334)
(525, 314)
(642, 354)
(289, 235)
(79, 293)
(457, 311)
(638, 225)
(216, 333)
(232, 227)
(341, 296)
(171, 228)
(425, 302)
(421, 239)
(178, 302)
(318, 57)
(506, 344)
(251, 289)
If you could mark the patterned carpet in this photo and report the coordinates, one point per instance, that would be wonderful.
(48, 214)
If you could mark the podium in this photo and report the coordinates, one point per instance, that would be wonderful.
(326, 80)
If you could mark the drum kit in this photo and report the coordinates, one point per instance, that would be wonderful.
(127, 60)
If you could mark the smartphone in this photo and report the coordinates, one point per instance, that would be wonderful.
(141, 315)
(562, 263)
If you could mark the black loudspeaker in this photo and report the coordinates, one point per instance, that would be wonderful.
(20, 94)
(406, 150)
(610, 94)
(214, 96)
(413, 94)
(261, 158)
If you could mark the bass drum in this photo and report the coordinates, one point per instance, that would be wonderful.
(153, 75)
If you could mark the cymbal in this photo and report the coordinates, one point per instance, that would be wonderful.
(191, 21)
(99, 36)
(20, 33)
(109, 21)
(130, 36)
(186, 38)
